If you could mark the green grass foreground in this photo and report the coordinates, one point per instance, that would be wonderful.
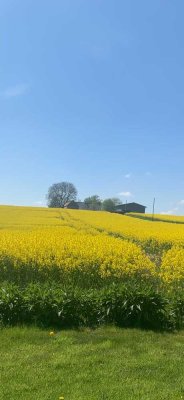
(102, 364)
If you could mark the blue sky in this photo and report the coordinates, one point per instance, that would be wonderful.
(92, 92)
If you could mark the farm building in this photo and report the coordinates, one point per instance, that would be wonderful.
(80, 205)
(77, 205)
(130, 207)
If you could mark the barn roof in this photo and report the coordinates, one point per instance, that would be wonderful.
(137, 204)
(128, 204)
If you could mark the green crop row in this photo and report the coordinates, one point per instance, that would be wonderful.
(131, 305)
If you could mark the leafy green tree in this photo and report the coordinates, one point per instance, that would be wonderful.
(93, 202)
(110, 204)
(116, 201)
(61, 193)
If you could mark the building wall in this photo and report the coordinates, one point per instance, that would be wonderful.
(136, 208)
(131, 208)
(72, 205)
(82, 205)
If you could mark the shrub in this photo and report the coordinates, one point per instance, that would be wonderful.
(130, 305)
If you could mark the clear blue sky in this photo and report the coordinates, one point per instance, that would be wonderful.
(92, 92)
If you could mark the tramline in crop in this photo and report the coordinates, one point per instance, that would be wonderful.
(60, 244)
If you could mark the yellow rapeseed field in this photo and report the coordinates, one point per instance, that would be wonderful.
(161, 217)
(132, 228)
(87, 243)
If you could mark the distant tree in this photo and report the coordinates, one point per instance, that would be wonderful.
(60, 193)
(110, 204)
(116, 201)
(93, 202)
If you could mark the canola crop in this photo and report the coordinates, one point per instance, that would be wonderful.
(69, 252)
(172, 267)
(60, 243)
(132, 228)
(176, 219)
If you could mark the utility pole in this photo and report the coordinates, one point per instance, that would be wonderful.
(153, 211)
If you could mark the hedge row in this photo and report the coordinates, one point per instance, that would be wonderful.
(130, 305)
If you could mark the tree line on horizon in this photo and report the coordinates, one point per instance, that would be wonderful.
(59, 194)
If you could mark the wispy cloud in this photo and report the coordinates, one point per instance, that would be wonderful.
(128, 176)
(170, 212)
(181, 202)
(39, 203)
(14, 91)
(148, 173)
(125, 194)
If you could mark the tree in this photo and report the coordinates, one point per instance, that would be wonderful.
(93, 202)
(60, 193)
(109, 204)
(116, 201)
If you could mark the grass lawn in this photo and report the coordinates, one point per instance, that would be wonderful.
(107, 363)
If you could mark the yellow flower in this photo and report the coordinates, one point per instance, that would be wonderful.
(59, 242)
(52, 333)
(61, 398)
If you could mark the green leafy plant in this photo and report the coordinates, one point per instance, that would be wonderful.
(132, 304)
